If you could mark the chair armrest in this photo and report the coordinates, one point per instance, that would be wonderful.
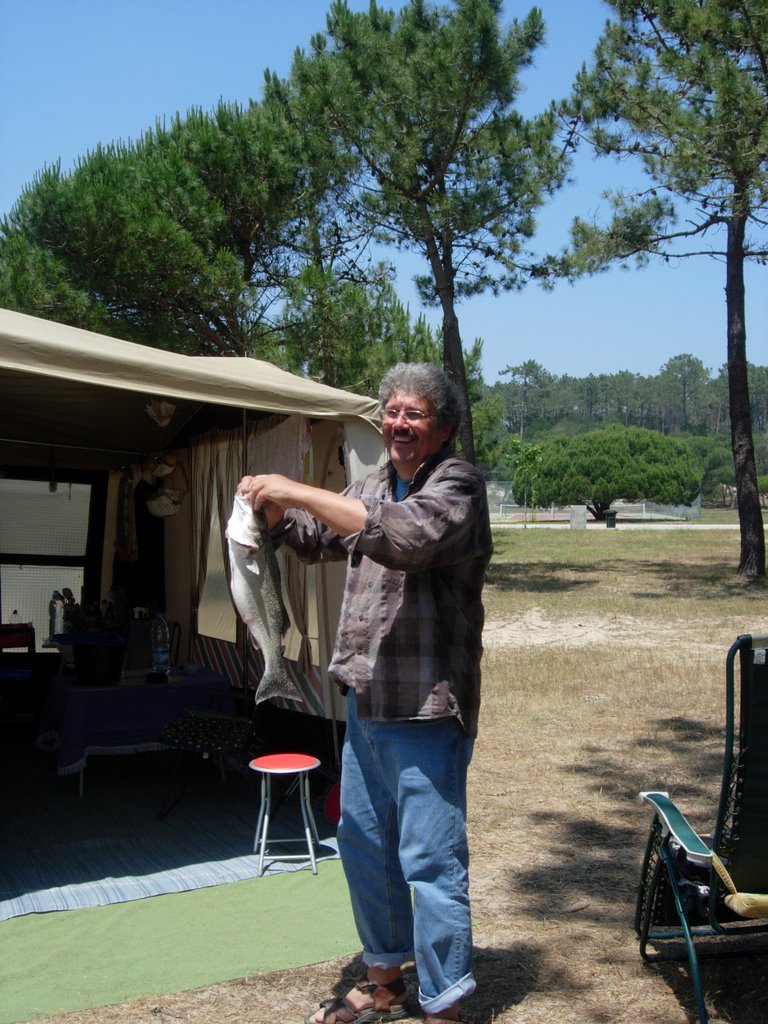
(675, 823)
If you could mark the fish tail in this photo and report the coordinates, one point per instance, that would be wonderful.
(278, 684)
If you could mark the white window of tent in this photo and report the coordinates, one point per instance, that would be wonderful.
(43, 538)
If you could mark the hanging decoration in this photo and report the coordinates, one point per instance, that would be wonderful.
(159, 411)
(164, 501)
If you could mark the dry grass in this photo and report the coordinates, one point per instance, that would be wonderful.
(603, 675)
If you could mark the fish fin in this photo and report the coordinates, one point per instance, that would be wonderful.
(277, 685)
(252, 565)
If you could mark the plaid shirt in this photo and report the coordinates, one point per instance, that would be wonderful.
(410, 634)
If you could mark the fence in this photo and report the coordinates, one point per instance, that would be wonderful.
(502, 506)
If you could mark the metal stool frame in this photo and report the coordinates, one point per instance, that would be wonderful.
(299, 765)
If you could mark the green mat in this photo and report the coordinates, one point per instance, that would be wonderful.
(77, 959)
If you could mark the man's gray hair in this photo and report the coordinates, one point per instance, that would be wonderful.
(424, 380)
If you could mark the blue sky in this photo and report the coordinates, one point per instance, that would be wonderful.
(77, 73)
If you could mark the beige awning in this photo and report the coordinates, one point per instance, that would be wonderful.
(62, 386)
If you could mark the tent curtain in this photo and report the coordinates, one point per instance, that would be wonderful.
(202, 458)
(283, 451)
(274, 444)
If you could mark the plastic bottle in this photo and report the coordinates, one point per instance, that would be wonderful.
(55, 614)
(161, 651)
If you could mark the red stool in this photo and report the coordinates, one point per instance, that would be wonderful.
(299, 765)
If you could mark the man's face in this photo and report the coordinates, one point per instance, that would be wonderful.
(411, 433)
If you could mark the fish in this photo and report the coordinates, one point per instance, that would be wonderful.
(258, 595)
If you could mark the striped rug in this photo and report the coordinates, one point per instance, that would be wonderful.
(61, 851)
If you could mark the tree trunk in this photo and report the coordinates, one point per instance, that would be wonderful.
(453, 363)
(440, 260)
(752, 555)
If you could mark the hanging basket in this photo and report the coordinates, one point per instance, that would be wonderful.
(160, 463)
(166, 501)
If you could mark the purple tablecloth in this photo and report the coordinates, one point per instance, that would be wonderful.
(121, 719)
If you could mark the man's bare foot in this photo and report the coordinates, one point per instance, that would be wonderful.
(450, 1013)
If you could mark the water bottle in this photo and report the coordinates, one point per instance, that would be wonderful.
(161, 651)
(55, 614)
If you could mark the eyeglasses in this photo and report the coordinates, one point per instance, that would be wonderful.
(411, 415)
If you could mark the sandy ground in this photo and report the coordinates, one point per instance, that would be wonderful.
(534, 629)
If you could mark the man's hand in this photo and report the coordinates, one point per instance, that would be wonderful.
(274, 493)
(261, 492)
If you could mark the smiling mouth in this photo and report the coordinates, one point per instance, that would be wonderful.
(403, 438)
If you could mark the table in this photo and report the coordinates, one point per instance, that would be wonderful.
(121, 719)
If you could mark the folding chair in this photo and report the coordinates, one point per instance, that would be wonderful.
(711, 891)
(226, 733)
(231, 740)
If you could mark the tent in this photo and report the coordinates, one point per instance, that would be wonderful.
(73, 400)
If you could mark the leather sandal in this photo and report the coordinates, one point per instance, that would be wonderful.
(383, 1006)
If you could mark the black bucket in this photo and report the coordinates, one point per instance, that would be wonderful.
(98, 656)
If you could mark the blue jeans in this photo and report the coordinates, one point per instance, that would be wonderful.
(403, 843)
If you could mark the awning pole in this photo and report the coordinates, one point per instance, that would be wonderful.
(242, 632)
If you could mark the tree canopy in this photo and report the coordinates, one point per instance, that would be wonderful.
(682, 86)
(598, 468)
(180, 241)
(249, 231)
(448, 167)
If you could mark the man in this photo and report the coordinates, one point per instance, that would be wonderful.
(417, 538)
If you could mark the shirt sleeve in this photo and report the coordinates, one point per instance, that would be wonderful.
(308, 538)
(440, 524)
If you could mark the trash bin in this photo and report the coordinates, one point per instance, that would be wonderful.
(610, 519)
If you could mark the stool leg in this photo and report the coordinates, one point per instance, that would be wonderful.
(306, 813)
(260, 818)
(311, 813)
(262, 828)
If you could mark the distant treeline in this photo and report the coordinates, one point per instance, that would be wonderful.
(683, 398)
